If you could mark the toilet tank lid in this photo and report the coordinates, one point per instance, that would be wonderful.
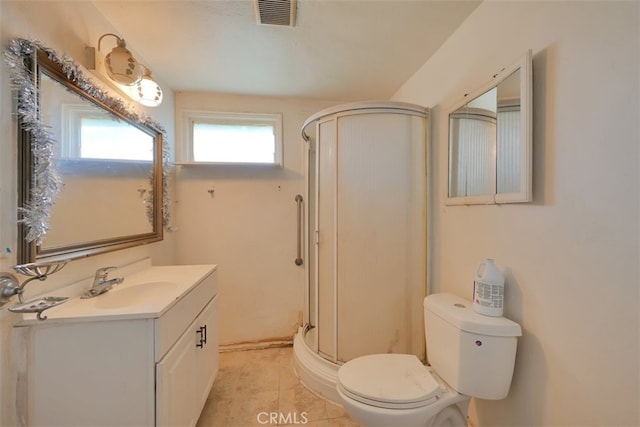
(459, 312)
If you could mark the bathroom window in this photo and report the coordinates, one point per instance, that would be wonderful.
(231, 138)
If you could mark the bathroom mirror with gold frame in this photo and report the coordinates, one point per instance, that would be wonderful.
(490, 140)
(91, 172)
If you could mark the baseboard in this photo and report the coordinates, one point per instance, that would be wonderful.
(257, 345)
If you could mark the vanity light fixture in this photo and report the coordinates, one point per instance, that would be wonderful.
(146, 91)
(120, 64)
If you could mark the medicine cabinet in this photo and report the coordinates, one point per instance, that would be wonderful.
(490, 140)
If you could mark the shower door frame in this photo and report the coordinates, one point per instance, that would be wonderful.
(310, 316)
(311, 225)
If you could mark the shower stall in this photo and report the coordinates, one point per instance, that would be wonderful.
(365, 237)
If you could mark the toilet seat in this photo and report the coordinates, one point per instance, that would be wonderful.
(392, 381)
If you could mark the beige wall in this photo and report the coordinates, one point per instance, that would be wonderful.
(66, 27)
(571, 257)
(248, 227)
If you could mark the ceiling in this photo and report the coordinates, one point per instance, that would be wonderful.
(338, 49)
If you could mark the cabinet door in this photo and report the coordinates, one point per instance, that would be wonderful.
(90, 374)
(185, 375)
(176, 377)
(207, 354)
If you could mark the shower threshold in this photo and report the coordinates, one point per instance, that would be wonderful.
(316, 373)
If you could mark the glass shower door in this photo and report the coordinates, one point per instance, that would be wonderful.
(370, 235)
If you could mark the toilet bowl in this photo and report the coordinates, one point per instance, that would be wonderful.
(470, 355)
(398, 390)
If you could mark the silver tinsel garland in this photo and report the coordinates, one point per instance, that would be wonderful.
(36, 213)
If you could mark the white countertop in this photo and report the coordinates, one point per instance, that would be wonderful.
(157, 288)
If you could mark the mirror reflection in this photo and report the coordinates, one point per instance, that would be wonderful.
(484, 142)
(508, 134)
(101, 159)
(472, 147)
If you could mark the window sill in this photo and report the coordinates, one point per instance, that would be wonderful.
(225, 164)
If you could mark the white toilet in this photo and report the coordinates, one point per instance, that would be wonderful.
(470, 355)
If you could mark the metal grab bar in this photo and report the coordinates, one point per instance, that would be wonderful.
(299, 201)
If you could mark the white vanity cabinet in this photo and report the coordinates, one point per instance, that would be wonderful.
(144, 364)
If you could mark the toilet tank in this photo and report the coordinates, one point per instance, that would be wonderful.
(473, 353)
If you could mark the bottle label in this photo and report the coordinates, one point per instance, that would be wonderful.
(487, 294)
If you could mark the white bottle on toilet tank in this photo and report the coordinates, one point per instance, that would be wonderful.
(488, 289)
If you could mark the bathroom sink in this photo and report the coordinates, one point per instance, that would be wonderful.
(119, 297)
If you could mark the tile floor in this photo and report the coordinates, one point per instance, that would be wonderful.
(260, 388)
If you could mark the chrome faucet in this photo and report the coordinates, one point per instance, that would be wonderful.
(102, 283)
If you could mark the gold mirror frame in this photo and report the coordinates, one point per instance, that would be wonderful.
(39, 183)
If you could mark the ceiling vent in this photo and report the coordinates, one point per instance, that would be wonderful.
(275, 12)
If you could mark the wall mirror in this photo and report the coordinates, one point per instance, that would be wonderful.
(490, 140)
(92, 174)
